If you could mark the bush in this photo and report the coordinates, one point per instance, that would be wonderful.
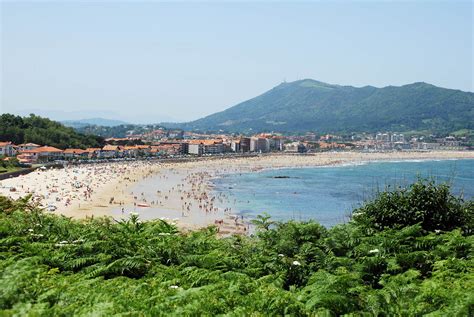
(424, 202)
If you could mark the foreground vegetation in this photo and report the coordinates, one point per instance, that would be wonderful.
(9, 164)
(407, 252)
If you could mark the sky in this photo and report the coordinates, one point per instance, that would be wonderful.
(147, 62)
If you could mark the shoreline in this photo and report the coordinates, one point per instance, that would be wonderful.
(181, 191)
(354, 163)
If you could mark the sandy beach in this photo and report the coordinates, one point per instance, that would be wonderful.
(179, 192)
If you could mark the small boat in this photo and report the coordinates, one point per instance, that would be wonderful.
(143, 205)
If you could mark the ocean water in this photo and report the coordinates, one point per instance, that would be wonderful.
(329, 194)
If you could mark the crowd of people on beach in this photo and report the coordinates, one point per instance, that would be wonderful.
(189, 192)
(59, 188)
(184, 189)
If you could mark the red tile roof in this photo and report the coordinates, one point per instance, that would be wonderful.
(109, 147)
(205, 142)
(44, 149)
(74, 151)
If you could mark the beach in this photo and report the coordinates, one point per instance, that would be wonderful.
(180, 192)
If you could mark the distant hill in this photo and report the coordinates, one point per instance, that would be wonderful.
(310, 105)
(119, 131)
(93, 121)
(43, 131)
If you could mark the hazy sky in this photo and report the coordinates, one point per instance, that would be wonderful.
(151, 61)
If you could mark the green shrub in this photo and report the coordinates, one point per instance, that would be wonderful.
(55, 266)
(433, 206)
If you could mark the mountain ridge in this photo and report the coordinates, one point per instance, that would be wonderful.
(311, 105)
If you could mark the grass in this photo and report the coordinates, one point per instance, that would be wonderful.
(4, 170)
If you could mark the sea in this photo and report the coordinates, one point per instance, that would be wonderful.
(329, 194)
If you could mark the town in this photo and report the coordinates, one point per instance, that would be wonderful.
(177, 143)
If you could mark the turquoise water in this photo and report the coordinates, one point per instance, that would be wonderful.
(329, 194)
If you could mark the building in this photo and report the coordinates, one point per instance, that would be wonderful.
(43, 153)
(143, 150)
(401, 146)
(129, 151)
(200, 147)
(331, 145)
(383, 137)
(176, 134)
(157, 134)
(27, 146)
(261, 145)
(428, 146)
(449, 143)
(49, 153)
(399, 138)
(292, 147)
(235, 146)
(93, 152)
(109, 151)
(167, 148)
(7, 149)
(301, 148)
(215, 148)
(276, 143)
(195, 149)
(27, 158)
(244, 145)
(310, 136)
(184, 148)
(75, 153)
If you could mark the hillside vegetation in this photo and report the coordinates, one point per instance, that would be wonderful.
(407, 252)
(43, 131)
(309, 105)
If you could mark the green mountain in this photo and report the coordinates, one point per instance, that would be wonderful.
(43, 131)
(310, 105)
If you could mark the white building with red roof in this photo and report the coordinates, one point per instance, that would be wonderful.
(43, 153)
(7, 149)
(27, 146)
